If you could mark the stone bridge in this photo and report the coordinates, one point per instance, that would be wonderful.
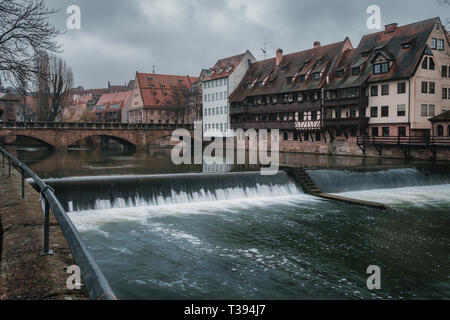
(61, 135)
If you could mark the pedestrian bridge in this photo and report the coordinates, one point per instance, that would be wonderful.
(61, 135)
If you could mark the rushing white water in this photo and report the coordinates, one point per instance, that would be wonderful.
(94, 219)
(422, 196)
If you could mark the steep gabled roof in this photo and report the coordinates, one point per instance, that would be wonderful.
(406, 60)
(224, 67)
(390, 45)
(158, 90)
(293, 66)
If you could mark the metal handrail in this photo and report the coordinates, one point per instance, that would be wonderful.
(97, 286)
(405, 140)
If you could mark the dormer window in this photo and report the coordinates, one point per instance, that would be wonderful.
(380, 68)
(302, 78)
(340, 74)
(356, 71)
(316, 75)
(289, 80)
(425, 63)
(406, 45)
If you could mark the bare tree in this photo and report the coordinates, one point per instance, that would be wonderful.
(54, 82)
(445, 3)
(24, 32)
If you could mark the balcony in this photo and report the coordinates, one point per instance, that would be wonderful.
(278, 107)
(355, 101)
(346, 122)
(282, 125)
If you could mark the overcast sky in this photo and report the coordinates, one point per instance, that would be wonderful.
(118, 38)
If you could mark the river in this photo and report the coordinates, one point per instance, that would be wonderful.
(241, 236)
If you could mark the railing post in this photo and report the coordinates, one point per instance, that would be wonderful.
(9, 169)
(23, 182)
(46, 251)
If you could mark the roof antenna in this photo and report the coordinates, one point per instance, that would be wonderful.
(264, 51)
(154, 68)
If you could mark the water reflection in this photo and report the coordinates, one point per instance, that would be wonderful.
(96, 161)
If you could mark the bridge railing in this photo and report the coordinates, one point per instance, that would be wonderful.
(404, 140)
(96, 284)
(93, 125)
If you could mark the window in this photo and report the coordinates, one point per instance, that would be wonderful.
(432, 64)
(440, 131)
(381, 68)
(285, 136)
(434, 44)
(406, 45)
(441, 45)
(402, 131)
(306, 137)
(289, 79)
(385, 131)
(316, 76)
(374, 91)
(424, 87)
(340, 74)
(423, 111)
(356, 71)
(374, 112)
(385, 90)
(375, 132)
(401, 110)
(401, 87)
(385, 111)
(431, 110)
(377, 68)
(318, 136)
(444, 71)
(444, 93)
(314, 115)
(425, 63)
(431, 87)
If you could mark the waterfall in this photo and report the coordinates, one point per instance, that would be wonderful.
(94, 193)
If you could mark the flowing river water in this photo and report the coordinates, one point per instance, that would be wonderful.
(239, 235)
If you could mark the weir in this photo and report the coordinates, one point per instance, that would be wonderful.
(109, 192)
(93, 193)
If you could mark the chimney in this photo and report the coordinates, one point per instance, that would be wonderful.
(390, 27)
(316, 44)
(279, 56)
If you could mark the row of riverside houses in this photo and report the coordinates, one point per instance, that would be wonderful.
(396, 83)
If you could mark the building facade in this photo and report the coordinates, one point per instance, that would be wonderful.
(323, 99)
(159, 99)
(221, 80)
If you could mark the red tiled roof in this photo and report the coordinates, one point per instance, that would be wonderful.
(110, 99)
(159, 90)
(224, 67)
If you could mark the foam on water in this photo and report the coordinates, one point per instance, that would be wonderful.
(91, 220)
(437, 195)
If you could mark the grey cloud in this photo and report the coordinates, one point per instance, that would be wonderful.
(182, 37)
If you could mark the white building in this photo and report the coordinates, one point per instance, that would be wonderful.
(221, 81)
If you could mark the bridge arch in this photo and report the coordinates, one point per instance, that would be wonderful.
(116, 137)
(39, 138)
